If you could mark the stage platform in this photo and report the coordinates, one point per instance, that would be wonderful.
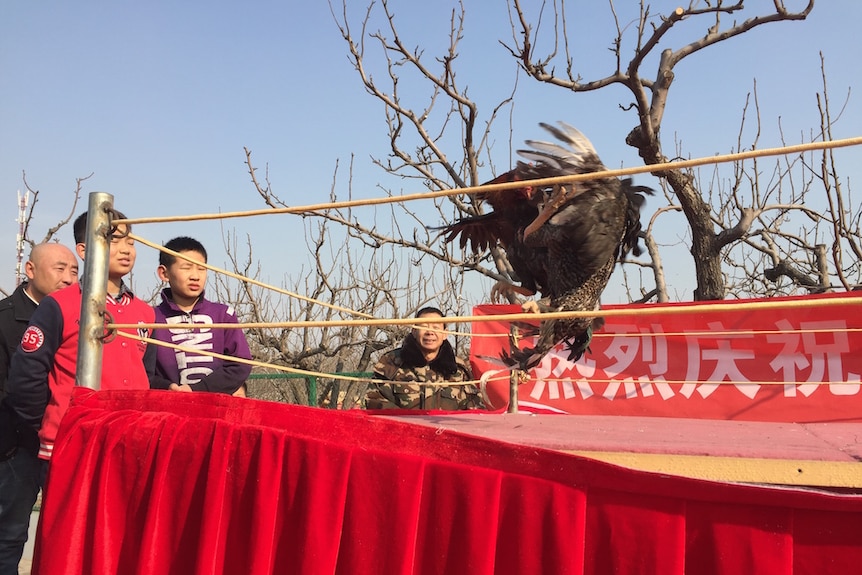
(205, 484)
(810, 454)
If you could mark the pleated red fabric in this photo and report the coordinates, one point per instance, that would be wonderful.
(172, 483)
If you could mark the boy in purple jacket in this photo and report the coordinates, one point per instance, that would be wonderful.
(187, 314)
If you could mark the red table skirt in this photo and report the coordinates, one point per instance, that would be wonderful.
(175, 483)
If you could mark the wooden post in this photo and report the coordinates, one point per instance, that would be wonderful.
(514, 381)
(515, 374)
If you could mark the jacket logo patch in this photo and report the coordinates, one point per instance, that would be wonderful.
(32, 339)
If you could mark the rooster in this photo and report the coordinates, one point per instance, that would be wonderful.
(575, 232)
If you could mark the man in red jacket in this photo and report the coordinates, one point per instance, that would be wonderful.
(42, 375)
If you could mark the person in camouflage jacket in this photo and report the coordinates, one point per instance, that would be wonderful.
(425, 356)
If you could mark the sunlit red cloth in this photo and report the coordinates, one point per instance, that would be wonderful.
(726, 360)
(173, 483)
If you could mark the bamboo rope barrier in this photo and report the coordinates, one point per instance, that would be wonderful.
(491, 375)
(653, 168)
(242, 278)
(485, 188)
(693, 333)
(251, 362)
(511, 317)
(637, 382)
(264, 285)
(600, 334)
(411, 322)
(671, 310)
(246, 279)
(295, 370)
(369, 320)
(504, 372)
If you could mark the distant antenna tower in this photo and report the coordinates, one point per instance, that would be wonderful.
(23, 200)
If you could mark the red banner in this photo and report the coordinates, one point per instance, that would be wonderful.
(797, 359)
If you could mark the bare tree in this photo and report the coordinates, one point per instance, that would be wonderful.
(747, 236)
(650, 96)
(440, 142)
(51, 232)
(787, 224)
(354, 271)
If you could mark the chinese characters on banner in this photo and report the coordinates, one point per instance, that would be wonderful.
(790, 363)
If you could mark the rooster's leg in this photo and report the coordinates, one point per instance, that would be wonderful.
(502, 291)
(562, 193)
(537, 306)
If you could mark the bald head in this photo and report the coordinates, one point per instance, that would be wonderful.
(50, 267)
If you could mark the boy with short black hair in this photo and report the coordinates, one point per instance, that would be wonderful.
(188, 315)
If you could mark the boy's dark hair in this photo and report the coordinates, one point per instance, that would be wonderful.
(429, 309)
(181, 244)
(79, 227)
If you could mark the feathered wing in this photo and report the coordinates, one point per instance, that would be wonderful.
(512, 210)
(480, 233)
(549, 159)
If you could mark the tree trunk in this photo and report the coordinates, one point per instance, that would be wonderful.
(704, 247)
(704, 250)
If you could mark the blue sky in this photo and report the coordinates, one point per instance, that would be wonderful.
(158, 99)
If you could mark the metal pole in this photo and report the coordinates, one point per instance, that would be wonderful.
(23, 200)
(95, 289)
(312, 391)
